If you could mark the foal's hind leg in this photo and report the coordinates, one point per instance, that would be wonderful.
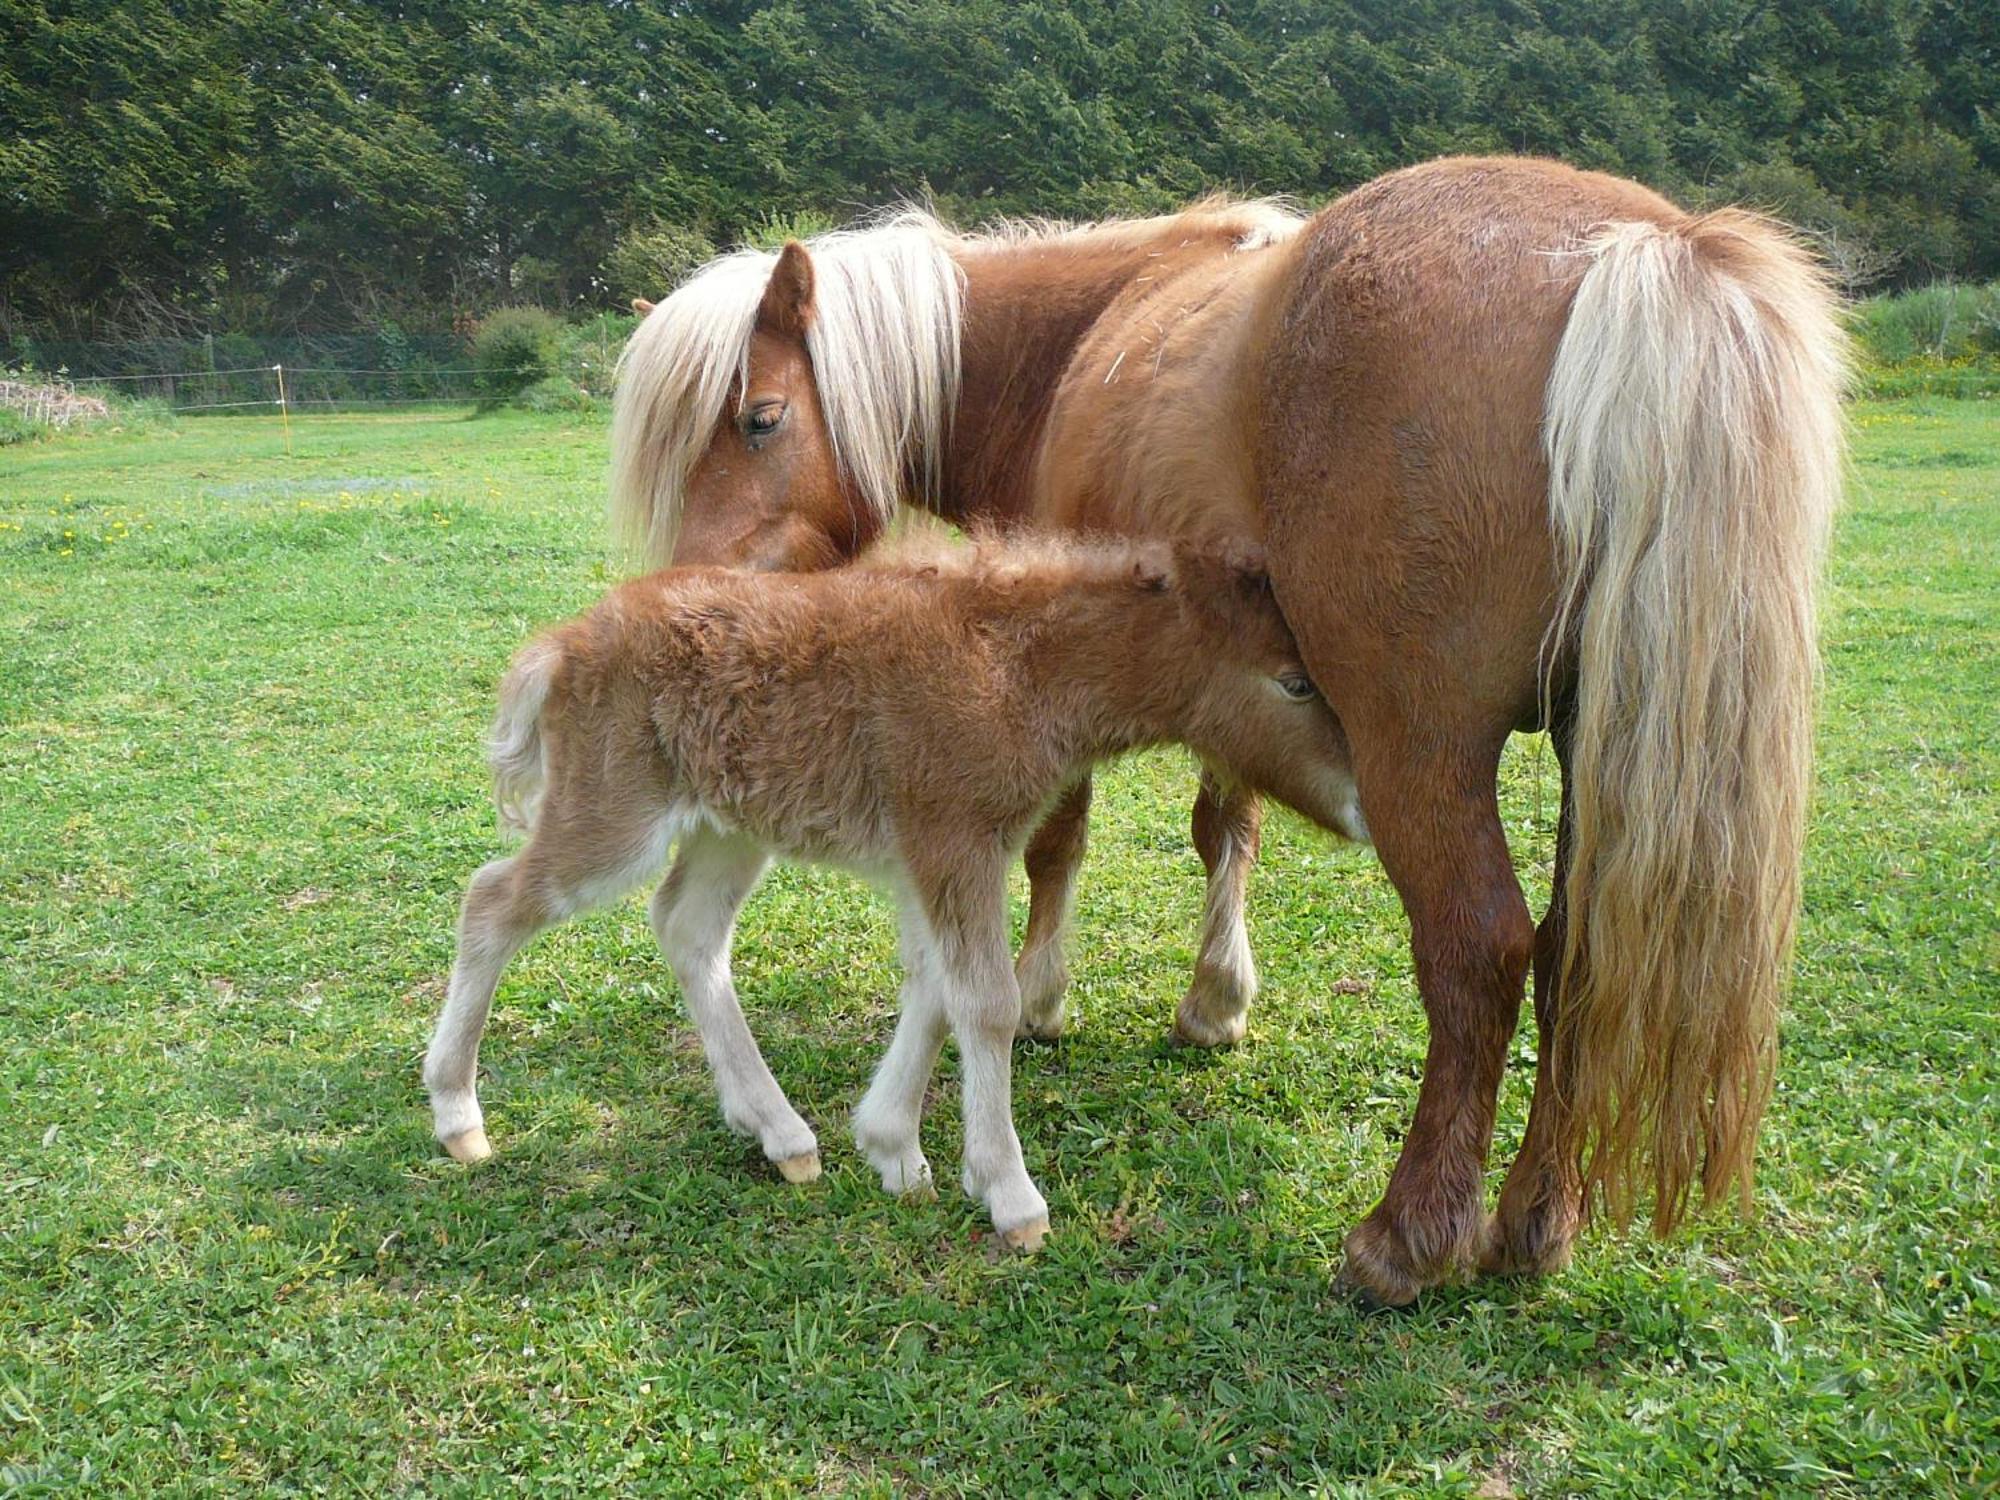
(502, 911)
(1053, 857)
(1228, 828)
(694, 917)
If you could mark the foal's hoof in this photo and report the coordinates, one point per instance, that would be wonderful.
(1026, 1238)
(1042, 1029)
(801, 1168)
(470, 1146)
(1194, 1028)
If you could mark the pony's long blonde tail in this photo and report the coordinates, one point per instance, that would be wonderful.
(514, 747)
(1694, 441)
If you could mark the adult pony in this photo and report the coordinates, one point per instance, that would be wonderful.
(1527, 446)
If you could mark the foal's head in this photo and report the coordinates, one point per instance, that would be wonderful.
(1257, 716)
(773, 410)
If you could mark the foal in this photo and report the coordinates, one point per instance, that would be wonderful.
(911, 717)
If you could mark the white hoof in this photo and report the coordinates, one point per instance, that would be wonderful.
(803, 1168)
(469, 1146)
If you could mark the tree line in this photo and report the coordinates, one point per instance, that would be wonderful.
(302, 165)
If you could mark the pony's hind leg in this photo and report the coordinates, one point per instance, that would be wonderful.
(502, 911)
(1541, 1203)
(1052, 858)
(694, 917)
(1437, 827)
(1228, 828)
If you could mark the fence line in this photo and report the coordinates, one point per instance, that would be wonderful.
(290, 389)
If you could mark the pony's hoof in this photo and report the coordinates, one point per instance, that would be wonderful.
(801, 1168)
(1537, 1243)
(1374, 1272)
(469, 1146)
(923, 1190)
(1026, 1238)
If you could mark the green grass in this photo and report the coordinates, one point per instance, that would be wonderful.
(241, 700)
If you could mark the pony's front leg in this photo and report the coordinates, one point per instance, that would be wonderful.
(1228, 828)
(694, 917)
(1052, 858)
(967, 918)
(500, 914)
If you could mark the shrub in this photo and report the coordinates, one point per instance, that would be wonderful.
(16, 428)
(590, 349)
(1945, 321)
(771, 231)
(650, 260)
(515, 348)
(557, 394)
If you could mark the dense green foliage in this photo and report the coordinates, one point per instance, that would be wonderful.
(516, 348)
(302, 164)
(241, 705)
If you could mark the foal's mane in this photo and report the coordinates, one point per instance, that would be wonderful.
(888, 305)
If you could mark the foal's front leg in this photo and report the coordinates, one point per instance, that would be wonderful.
(694, 917)
(889, 1119)
(1228, 830)
(966, 914)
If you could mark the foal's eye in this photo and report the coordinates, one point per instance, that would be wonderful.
(763, 420)
(1296, 686)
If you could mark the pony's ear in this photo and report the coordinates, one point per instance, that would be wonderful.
(788, 297)
(641, 306)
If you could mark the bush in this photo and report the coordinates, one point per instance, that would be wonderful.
(650, 260)
(590, 349)
(515, 348)
(771, 231)
(1946, 321)
(15, 428)
(557, 394)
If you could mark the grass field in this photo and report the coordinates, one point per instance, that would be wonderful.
(241, 701)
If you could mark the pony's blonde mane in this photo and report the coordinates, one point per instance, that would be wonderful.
(888, 305)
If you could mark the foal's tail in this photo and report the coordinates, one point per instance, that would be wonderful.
(514, 748)
(1695, 455)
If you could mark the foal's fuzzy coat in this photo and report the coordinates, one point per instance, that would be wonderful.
(911, 717)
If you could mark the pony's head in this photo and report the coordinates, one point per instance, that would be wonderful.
(775, 409)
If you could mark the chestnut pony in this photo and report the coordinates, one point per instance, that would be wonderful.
(1528, 447)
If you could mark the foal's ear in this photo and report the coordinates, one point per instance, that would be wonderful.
(788, 296)
(641, 306)
(1152, 574)
(1247, 561)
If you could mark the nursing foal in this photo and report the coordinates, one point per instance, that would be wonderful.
(910, 717)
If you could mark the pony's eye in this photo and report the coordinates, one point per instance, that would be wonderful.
(1296, 686)
(764, 420)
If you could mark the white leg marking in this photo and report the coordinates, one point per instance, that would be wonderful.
(888, 1121)
(694, 917)
(1215, 1011)
(490, 932)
